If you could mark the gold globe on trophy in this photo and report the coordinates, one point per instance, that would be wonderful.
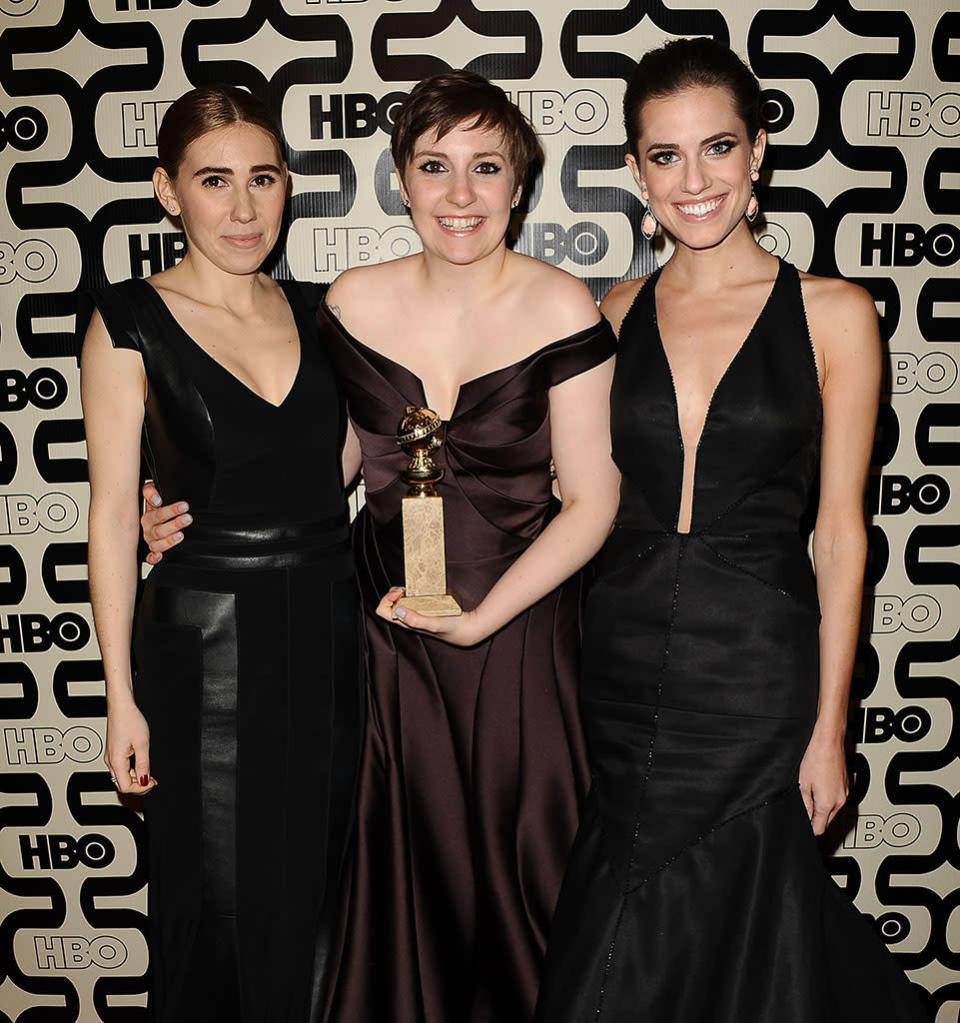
(419, 433)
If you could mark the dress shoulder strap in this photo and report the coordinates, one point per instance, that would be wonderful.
(642, 311)
(117, 304)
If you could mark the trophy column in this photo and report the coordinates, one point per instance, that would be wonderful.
(424, 555)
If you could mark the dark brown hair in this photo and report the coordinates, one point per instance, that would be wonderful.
(450, 98)
(205, 109)
(685, 63)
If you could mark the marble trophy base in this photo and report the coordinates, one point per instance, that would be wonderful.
(424, 559)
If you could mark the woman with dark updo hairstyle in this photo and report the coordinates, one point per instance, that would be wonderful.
(240, 725)
(716, 664)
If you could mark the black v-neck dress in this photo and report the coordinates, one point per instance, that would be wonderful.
(695, 891)
(247, 671)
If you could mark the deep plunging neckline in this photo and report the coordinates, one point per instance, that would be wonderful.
(713, 394)
(168, 312)
(464, 384)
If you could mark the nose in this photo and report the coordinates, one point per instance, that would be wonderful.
(460, 190)
(695, 178)
(244, 209)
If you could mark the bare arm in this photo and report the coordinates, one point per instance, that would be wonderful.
(843, 322)
(590, 483)
(112, 386)
(350, 456)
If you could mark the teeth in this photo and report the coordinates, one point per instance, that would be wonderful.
(698, 209)
(460, 223)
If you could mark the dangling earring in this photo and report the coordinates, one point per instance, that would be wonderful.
(649, 223)
(753, 206)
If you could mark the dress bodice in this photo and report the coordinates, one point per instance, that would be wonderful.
(211, 440)
(496, 451)
(758, 455)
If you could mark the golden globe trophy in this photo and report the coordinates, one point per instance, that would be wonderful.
(424, 558)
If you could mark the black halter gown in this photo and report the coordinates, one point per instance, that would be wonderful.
(696, 891)
(248, 673)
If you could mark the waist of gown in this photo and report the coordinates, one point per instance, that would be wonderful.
(229, 542)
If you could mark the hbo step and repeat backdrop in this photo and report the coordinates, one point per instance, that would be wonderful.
(864, 114)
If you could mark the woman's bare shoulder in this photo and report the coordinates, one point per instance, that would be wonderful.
(363, 285)
(834, 294)
(616, 303)
(832, 303)
(563, 303)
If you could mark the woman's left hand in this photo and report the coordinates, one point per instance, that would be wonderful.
(460, 630)
(823, 781)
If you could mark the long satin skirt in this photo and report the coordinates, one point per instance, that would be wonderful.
(248, 675)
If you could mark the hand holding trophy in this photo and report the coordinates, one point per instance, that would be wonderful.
(424, 558)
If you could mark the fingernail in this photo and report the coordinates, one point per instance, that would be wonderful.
(178, 536)
(181, 507)
(186, 520)
(143, 779)
(400, 612)
(155, 500)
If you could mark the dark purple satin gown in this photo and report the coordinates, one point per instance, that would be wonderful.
(474, 761)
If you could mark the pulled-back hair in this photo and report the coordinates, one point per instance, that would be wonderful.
(451, 98)
(686, 63)
(205, 109)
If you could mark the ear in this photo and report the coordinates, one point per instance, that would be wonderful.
(403, 188)
(631, 161)
(758, 148)
(166, 192)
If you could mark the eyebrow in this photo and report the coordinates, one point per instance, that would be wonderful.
(429, 152)
(703, 142)
(258, 169)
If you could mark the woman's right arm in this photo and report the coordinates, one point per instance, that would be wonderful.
(112, 391)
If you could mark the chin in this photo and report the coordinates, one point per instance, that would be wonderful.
(707, 236)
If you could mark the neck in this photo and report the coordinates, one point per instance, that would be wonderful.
(204, 282)
(466, 284)
(737, 258)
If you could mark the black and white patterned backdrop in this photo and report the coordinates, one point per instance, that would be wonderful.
(863, 104)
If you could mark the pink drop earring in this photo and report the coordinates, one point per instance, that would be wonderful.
(753, 206)
(649, 223)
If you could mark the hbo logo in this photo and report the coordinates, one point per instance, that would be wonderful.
(584, 244)
(77, 953)
(872, 830)
(880, 724)
(49, 745)
(33, 261)
(44, 388)
(22, 513)
(933, 373)
(63, 852)
(919, 613)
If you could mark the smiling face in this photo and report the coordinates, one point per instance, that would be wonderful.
(229, 190)
(694, 159)
(460, 189)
